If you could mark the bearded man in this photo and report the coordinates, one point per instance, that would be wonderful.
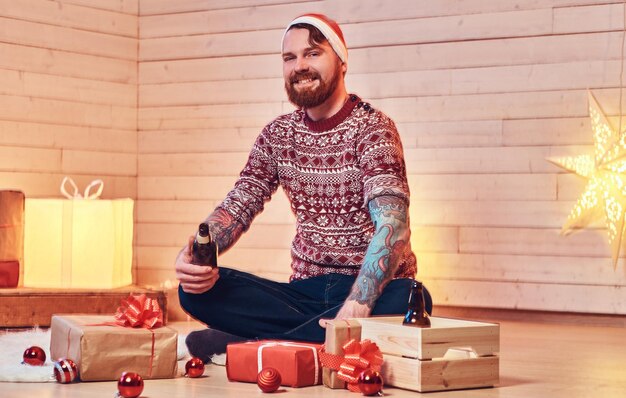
(341, 164)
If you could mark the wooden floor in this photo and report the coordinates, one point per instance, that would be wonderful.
(537, 360)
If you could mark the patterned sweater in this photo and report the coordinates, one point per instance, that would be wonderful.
(329, 170)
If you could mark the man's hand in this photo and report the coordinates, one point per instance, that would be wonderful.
(193, 278)
(350, 309)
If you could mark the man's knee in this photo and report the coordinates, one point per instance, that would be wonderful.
(395, 298)
(185, 301)
(196, 305)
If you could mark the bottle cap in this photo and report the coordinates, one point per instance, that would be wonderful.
(203, 235)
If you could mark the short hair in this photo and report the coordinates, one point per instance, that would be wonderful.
(316, 37)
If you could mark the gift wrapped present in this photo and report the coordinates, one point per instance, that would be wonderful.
(133, 340)
(356, 357)
(9, 273)
(297, 362)
(338, 333)
(11, 237)
(79, 242)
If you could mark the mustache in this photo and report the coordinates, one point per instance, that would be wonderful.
(296, 76)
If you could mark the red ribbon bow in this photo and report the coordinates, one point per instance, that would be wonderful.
(358, 356)
(135, 311)
(139, 311)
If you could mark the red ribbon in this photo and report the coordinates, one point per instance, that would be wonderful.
(139, 311)
(358, 356)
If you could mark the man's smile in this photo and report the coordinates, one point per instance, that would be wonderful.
(306, 83)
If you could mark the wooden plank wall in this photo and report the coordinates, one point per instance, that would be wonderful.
(482, 92)
(68, 95)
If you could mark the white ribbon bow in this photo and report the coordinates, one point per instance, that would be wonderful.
(287, 344)
(87, 195)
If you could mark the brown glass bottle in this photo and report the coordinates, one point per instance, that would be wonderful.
(204, 250)
(416, 315)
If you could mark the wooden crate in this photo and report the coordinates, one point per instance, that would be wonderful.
(27, 307)
(452, 354)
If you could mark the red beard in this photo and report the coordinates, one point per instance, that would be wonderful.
(310, 98)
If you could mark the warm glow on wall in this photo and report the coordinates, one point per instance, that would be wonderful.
(605, 192)
(78, 243)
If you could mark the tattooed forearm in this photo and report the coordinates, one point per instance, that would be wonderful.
(390, 217)
(224, 229)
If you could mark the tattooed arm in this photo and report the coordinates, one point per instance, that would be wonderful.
(224, 229)
(392, 233)
(257, 182)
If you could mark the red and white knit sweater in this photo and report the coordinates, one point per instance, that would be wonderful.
(329, 170)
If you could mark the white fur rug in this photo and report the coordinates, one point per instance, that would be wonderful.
(13, 345)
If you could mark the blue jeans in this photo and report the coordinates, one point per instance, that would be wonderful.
(249, 306)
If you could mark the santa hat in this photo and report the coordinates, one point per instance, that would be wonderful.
(330, 30)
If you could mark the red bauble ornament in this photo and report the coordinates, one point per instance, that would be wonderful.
(65, 371)
(35, 356)
(130, 385)
(194, 367)
(268, 379)
(370, 382)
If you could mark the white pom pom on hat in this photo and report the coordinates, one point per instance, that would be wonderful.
(329, 28)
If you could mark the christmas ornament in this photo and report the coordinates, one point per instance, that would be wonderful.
(34, 356)
(65, 371)
(370, 382)
(194, 367)
(606, 174)
(268, 379)
(130, 385)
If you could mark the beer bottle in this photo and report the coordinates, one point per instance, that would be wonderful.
(204, 250)
(416, 315)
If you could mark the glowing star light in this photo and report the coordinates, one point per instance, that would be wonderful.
(606, 186)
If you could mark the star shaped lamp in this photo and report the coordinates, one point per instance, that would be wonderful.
(605, 171)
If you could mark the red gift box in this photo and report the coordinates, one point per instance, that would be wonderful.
(298, 363)
(11, 236)
(9, 273)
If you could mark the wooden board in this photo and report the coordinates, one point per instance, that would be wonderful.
(122, 6)
(348, 13)
(71, 16)
(420, 359)
(427, 343)
(595, 298)
(151, 7)
(49, 111)
(39, 135)
(64, 38)
(423, 376)
(66, 63)
(27, 84)
(46, 184)
(27, 307)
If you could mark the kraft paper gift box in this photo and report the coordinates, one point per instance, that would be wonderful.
(103, 352)
(338, 333)
(82, 242)
(297, 362)
(11, 237)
